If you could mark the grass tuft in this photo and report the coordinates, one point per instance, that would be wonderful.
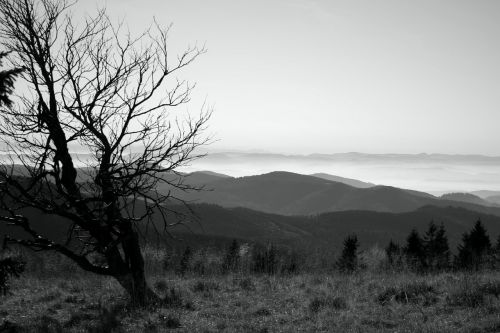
(319, 303)
(410, 293)
(205, 286)
(247, 284)
(173, 298)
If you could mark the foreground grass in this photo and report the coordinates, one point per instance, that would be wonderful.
(363, 302)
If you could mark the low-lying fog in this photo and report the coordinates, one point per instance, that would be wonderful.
(434, 173)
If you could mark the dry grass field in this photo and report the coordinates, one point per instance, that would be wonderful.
(361, 302)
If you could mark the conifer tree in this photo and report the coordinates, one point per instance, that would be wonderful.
(393, 252)
(442, 248)
(348, 261)
(475, 250)
(414, 250)
(436, 249)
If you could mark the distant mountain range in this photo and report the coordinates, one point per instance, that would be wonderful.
(433, 173)
(289, 193)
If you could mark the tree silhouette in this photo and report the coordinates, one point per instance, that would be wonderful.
(393, 252)
(96, 87)
(414, 250)
(475, 250)
(436, 249)
(232, 257)
(348, 260)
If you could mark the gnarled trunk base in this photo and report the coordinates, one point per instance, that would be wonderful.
(136, 286)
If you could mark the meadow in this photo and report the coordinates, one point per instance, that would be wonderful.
(55, 296)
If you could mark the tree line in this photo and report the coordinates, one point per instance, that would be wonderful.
(431, 251)
(426, 252)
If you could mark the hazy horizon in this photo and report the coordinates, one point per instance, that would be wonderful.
(301, 76)
(433, 173)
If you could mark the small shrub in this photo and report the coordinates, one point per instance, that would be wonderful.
(373, 259)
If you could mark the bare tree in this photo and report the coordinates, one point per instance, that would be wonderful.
(93, 85)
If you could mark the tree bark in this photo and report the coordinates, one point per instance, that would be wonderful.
(135, 284)
(134, 280)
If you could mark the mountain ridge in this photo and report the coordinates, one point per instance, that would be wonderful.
(288, 193)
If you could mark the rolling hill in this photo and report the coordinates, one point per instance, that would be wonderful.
(467, 197)
(289, 193)
(328, 230)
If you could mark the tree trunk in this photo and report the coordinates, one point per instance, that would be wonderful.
(134, 279)
(136, 286)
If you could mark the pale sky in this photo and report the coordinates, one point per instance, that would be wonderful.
(325, 76)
